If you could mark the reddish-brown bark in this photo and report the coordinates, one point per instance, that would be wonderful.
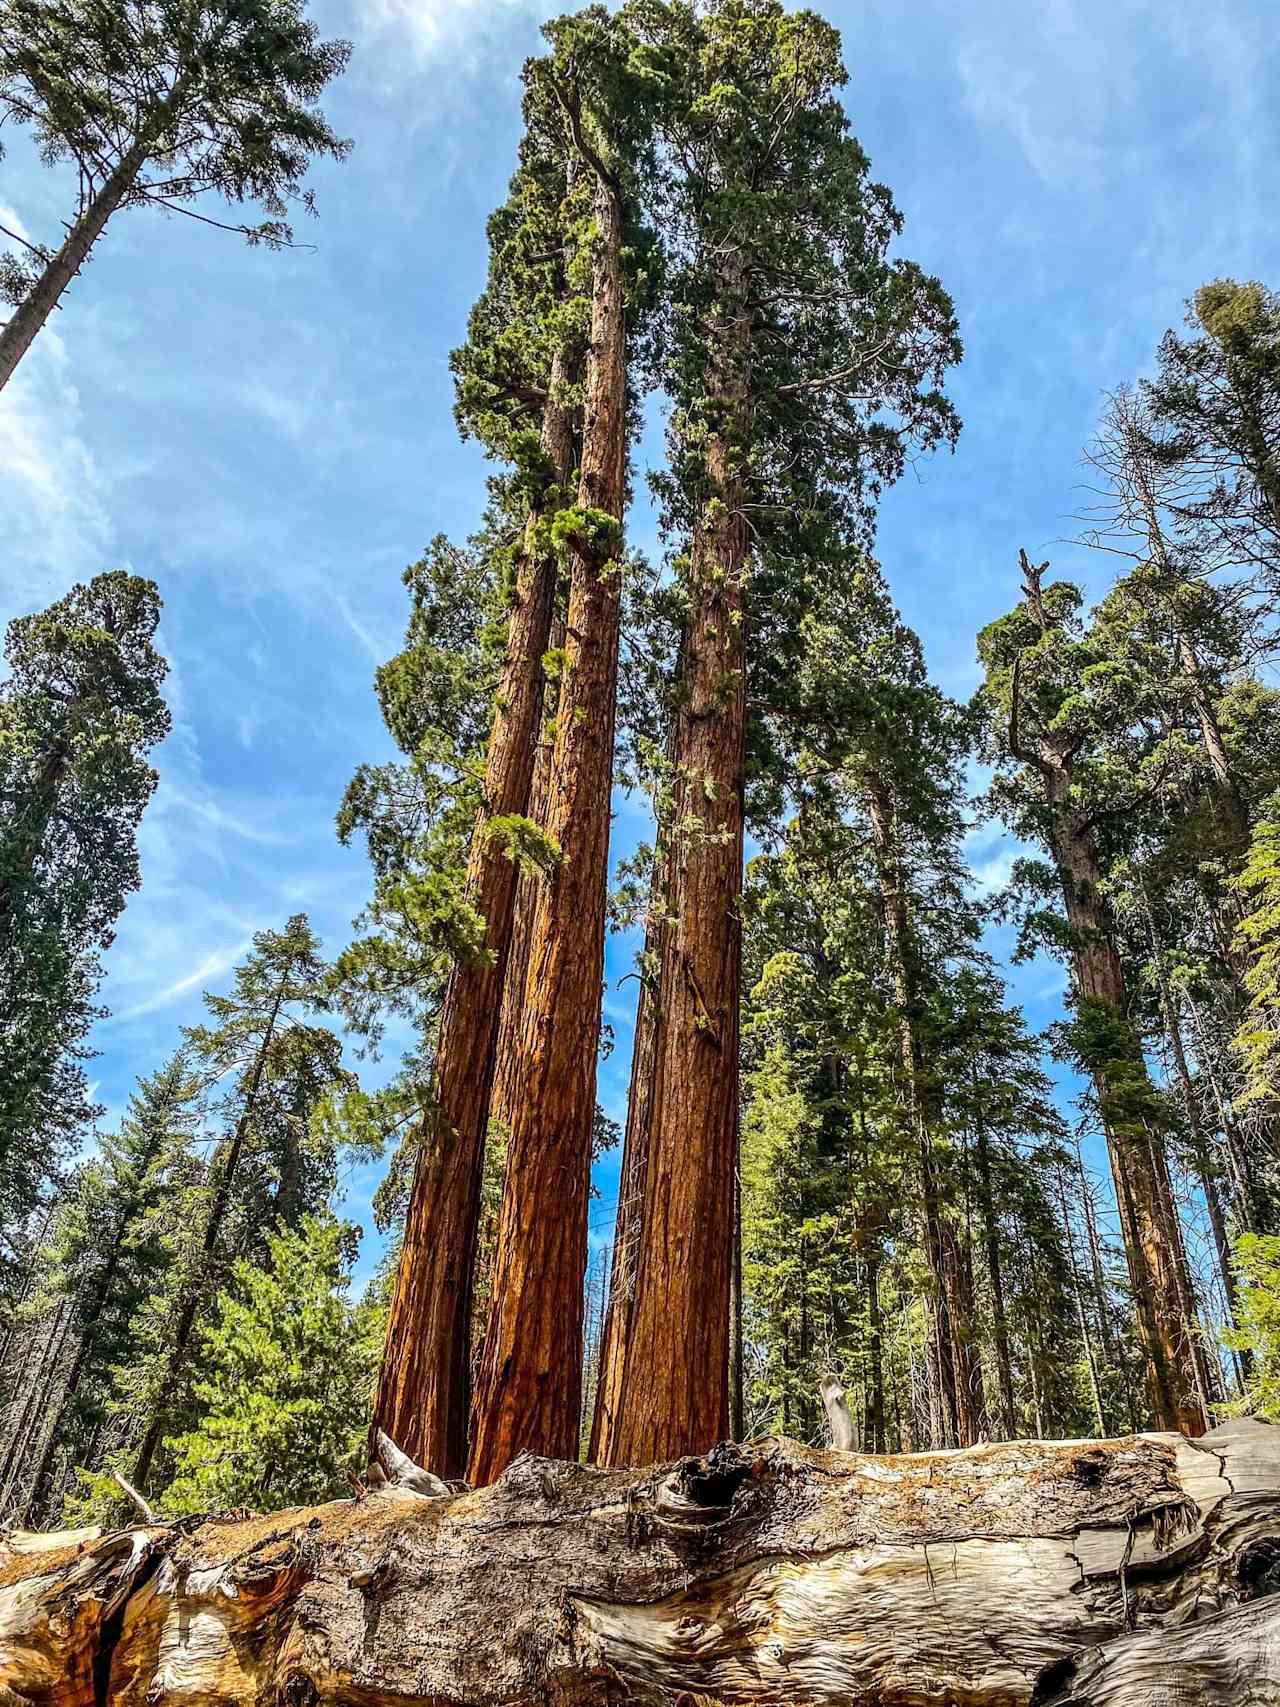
(506, 1049)
(1148, 1217)
(424, 1385)
(675, 1390)
(630, 1214)
(529, 1391)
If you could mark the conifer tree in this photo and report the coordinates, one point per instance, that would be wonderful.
(1044, 696)
(158, 102)
(528, 1393)
(105, 1255)
(1217, 396)
(80, 712)
(802, 364)
(518, 392)
(258, 1045)
(286, 1365)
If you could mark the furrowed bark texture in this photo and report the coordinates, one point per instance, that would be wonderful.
(423, 1396)
(506, 1049)
(675, 1386)
(1142, 1572)
(528, 1394)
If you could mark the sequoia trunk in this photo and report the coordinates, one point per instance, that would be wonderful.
(675, 1386)
(423, 1396)
(528, 1393)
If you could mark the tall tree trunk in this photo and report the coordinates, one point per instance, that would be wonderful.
(632, 1182)
(898, 948)
(970, 1412)
(675, 1385)
(506, 1048)
(1148, 1217)
(423, 1393)
(528, 1394)
(1082, 1318)
(1200, 1147)
(875, 1439)
(737, 1397)
(20, 330)
(995, 1277)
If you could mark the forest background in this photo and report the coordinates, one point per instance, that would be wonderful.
(270, 437)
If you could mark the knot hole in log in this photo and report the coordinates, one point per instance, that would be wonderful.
(700, 1491)
(1258, 1569)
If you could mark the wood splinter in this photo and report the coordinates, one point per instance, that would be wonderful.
(402, 1473)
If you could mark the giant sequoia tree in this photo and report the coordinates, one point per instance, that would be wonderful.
(518, 391)
(802, 363)
(528, 1391)
(158, 102)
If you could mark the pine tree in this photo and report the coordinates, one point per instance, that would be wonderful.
(105, 1255)
(159, 102)
(274, 1064)
(286, 1366)
(1043, 712)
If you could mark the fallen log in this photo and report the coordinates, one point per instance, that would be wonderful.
(1140, 1572)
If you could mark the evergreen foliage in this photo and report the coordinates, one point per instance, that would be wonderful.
(80, 712)
(287, 1367)
(161, 103)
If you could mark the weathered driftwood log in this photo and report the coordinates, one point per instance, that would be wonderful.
(1129, 1573)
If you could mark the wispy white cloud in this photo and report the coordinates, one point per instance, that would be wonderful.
(210, 968)
(52, 491)
(376, 650)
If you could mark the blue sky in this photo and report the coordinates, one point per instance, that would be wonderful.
(270, 436)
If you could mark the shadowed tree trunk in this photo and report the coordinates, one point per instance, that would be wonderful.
(1122, 1573)
(898, 953)
(528, 1394)
(423, 1395)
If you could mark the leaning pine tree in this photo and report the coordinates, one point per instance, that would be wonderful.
(158, 103)
(803, 364)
